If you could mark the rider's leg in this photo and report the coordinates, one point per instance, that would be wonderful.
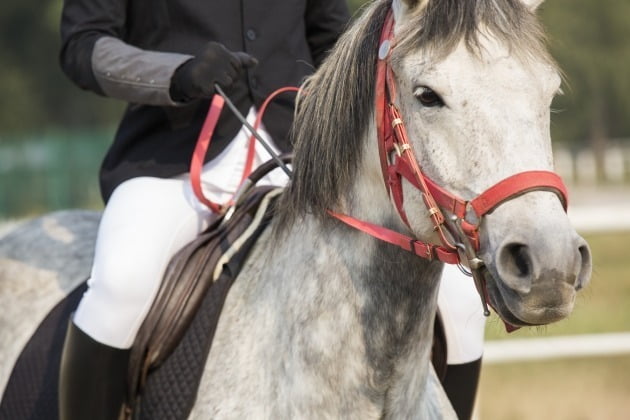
(146, 221)
(91, 378)
(464, 322)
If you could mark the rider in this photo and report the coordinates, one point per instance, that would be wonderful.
(164, 58)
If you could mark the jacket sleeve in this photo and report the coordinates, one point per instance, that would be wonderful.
(95, 56)
(325, 21)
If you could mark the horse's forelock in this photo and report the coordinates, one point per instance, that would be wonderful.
(440, 25)
(332, 116)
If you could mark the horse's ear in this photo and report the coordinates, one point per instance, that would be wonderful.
(532, 4)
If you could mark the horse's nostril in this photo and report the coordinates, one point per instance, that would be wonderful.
(519, 260)
(515, 266)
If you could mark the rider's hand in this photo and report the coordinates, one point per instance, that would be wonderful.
(214, 64)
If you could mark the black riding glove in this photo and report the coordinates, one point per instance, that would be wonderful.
(214, 64)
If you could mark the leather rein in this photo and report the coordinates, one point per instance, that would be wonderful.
(205, 136)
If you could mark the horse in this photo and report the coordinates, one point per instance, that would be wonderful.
(324, 320)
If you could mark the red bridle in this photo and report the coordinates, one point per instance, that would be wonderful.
(459, 238)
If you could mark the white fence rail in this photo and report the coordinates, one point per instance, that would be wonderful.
(580, 167)
(531, 349)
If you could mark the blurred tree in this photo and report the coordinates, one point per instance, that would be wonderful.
(591, 41)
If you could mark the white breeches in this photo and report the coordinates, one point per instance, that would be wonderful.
(147, 220)
(462, 316)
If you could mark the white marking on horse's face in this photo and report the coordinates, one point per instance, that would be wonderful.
(493, 123)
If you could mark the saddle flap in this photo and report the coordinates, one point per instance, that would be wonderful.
(189, 276)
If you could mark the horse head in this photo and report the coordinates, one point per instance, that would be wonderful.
(474, 85)
(470, 83)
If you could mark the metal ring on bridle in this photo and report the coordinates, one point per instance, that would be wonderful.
(383, 50)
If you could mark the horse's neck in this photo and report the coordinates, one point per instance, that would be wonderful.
(391, 293)
(324, 321)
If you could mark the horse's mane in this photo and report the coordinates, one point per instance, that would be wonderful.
(337, 102)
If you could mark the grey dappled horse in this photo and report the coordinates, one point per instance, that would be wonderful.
(325, 321)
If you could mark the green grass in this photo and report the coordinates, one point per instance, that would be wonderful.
(603, 306)
(570, 389)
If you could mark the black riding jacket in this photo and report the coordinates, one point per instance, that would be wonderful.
(129, 49)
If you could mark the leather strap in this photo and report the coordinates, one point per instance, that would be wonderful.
(518, 184)
(252, 139)
(199, 154)
(419, 248)
(203, 144)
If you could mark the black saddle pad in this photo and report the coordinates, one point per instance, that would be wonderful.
(171, 389)
(31, 392)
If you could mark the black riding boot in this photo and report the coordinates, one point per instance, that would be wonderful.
(460, 384)
(92, 378)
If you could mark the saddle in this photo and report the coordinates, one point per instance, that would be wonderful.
(202, 271)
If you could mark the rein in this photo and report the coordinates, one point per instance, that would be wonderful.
(205, 136)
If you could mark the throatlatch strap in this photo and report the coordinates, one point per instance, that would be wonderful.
(419, 248)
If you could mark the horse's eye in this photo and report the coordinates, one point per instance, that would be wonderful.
(428, 97)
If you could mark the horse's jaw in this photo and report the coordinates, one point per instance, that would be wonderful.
(535, 261)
